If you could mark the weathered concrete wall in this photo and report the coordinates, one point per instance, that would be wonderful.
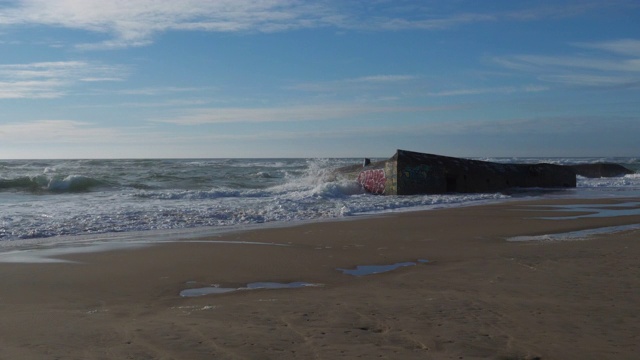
(408, 173)
(419, 173)
(391, 173)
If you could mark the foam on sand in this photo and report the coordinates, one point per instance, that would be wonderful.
(216, 289)
(577, 235)
(49, 253)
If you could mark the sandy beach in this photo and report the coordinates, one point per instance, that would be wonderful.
(477, 295)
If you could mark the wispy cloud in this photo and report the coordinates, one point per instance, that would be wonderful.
(60, 131)
(615, 63)
(128, 23)
(429, 24)
(602, 81)
(287, 114)
(43, 89)
(560, 10)
(162, 90)
(492, 90)
(134, 23)
(371, 82)
(546, 125)
(409, 15)
(381, 79)
(169, 103)
(572, 62)
(52, 79)
(629, 47)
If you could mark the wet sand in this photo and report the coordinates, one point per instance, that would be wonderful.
(478, 296)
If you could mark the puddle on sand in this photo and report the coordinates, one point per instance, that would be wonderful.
(577, 235)
(362, 270)
(358, 271)
(251, 286)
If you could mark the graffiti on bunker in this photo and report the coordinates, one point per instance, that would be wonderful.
(373, 181)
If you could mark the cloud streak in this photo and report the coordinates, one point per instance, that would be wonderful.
(134, 23)
(628, 47)
(58, 131)
(615, 63)
(368, 82)
(287, 114)
(49, 80)
(129, 23)
(493, 90)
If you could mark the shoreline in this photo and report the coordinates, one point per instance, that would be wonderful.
(175, 235)
(477, 296)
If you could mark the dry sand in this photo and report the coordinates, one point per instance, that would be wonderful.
(478, 297)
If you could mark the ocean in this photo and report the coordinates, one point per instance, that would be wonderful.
(57, 201)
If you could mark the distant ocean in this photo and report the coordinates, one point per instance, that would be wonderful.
(67, 200)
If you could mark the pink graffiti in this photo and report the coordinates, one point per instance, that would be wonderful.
(373, 180)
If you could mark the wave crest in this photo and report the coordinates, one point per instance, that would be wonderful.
(50, 183)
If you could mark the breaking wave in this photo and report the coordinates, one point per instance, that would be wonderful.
(48, 183)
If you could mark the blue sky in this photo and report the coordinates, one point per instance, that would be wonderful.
(330, 78)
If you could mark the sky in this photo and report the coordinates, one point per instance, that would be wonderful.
(328, 78)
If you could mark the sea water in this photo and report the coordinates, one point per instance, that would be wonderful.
(64, 200)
